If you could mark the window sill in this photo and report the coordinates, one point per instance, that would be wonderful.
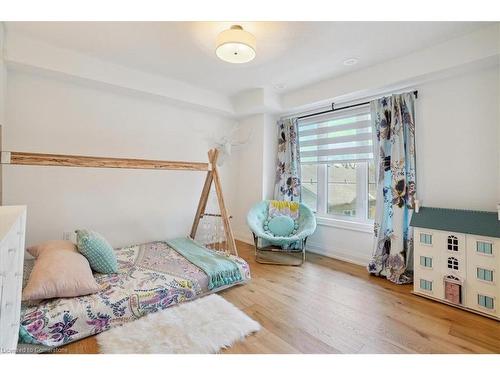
(365, 227)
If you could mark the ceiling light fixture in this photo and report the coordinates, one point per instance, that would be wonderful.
(351, 61)
(235, 45)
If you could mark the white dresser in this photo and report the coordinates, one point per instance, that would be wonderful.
(12, 230)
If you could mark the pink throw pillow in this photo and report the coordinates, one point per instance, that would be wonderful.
(59, 271)
(51, 245)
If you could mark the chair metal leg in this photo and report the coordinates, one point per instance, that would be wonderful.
(304, 250)
(303, 255)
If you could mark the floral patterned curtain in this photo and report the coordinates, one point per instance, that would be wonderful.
(287, 186)
(393, 121)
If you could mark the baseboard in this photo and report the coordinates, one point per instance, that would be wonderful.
(336, 254)
(243, 236)
(246, 237)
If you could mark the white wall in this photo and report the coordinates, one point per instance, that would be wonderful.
(37, 55)
(3, 86)
(477, 48)
(269, 156)
(457, 141)
(498, 129)
(349, 245)
(255, 166)
(46, 114)
(3, 75)
(248, 182)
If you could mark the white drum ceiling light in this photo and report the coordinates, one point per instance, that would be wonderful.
(235, 45)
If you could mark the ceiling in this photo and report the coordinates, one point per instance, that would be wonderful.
(289, 54)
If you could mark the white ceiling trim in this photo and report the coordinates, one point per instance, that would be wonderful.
(395, 88)
(22, 52)
(478, 48)
(254, 101)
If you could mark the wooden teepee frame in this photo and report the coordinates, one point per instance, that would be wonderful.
(213, 176)
(36, 159)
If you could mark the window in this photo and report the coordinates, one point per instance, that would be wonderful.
(452, 243)
(372, 191)
(342, 189)
(484, 274)
(309, 178)
(425, 284)
(485, 301)
(426, 238)
(453, 263)
(338, 175)
(484, 247)
(426, 261)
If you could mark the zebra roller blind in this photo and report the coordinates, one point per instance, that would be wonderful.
(337, 137)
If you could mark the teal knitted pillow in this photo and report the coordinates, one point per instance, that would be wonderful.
(97, 250)
(281, 226)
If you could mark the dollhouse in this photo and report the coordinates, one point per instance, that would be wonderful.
(456, 258)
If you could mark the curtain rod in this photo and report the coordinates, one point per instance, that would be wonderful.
(341, 108)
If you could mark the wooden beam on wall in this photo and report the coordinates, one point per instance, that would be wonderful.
(36, 159)
(27, 158)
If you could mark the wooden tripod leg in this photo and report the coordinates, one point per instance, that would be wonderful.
(202, 204)
(222, 206)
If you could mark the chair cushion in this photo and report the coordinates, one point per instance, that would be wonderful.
(281, 226)
(257, 220)
(97, 250)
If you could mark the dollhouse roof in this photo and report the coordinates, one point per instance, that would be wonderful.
(481, 223)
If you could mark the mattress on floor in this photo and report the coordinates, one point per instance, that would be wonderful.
(151, 277)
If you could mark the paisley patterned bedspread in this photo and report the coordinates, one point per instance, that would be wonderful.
(151, 277)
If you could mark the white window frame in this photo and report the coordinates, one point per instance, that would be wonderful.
(431, 244)
(492, 281)
(452, 263)
(482, 253)
(426, 283)
(360, 222)
(452, 246)
(425, 262)
(484, 308)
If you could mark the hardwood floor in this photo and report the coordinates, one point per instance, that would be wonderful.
(330, 306)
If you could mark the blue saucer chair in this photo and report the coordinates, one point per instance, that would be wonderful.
(265, 241)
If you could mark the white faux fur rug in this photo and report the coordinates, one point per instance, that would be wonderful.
(203, 326)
